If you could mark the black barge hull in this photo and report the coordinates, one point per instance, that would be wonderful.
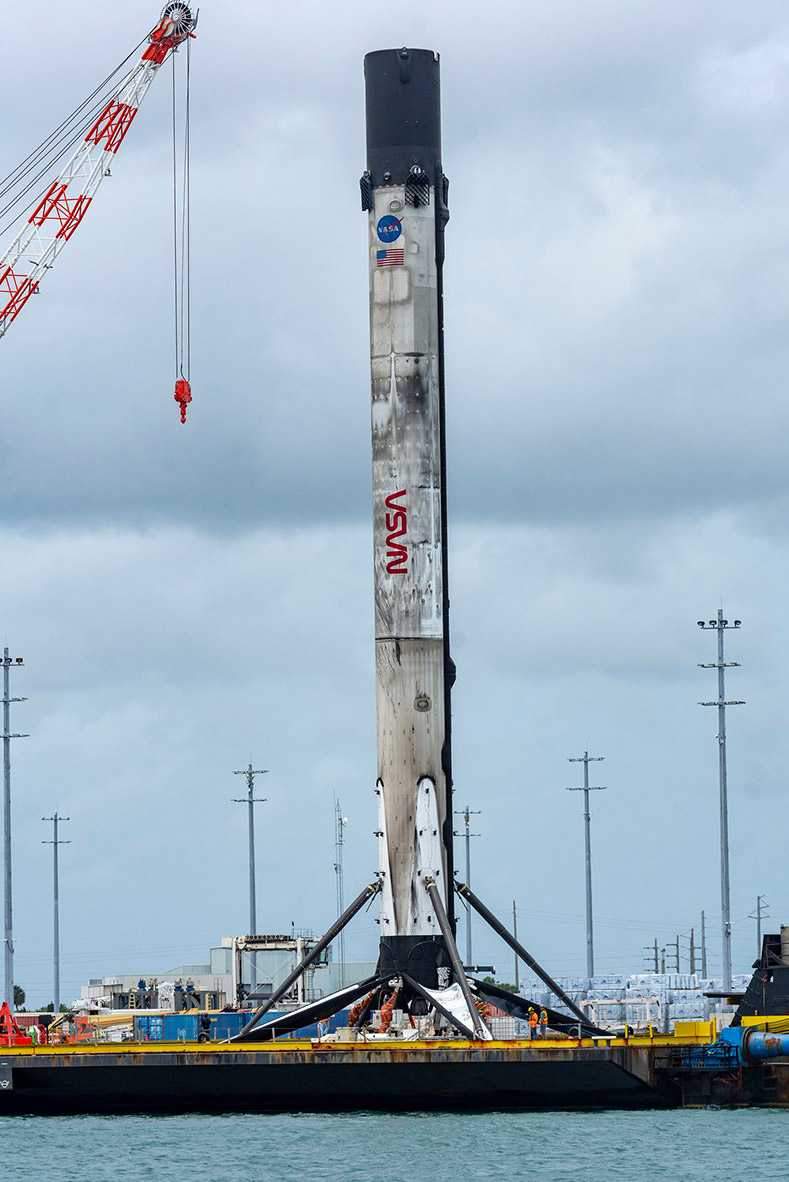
(295, 1077)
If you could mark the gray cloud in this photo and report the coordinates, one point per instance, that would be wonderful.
(615, 257)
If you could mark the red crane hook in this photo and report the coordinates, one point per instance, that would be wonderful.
(183, 395)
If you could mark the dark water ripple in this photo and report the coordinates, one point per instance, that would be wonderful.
(361, 1147)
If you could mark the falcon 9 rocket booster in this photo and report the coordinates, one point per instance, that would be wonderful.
(404, 191)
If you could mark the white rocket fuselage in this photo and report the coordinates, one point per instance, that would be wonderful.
(410, 612)
(409, 633)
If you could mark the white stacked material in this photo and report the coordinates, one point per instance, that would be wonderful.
(640, 1000)
(508, 1028)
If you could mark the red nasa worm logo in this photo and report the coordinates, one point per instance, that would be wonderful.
(396, 524)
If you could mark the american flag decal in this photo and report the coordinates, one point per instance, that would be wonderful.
(391, 257)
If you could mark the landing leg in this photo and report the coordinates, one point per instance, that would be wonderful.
(466, 892)
(368, 893)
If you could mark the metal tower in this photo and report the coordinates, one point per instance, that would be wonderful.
(8, 924)
(467, 814)
(55, 843)
(762, 908)
(251, 801)
(720, 626)
(339, 826)
(586, 759)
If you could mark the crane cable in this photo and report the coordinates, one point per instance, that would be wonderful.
(181, 246)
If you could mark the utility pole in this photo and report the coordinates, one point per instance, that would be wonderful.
(515, 934)
(720, 626)
(55, 843)
(586, 759)
(651, 955)
(251, 801)
(467, 814)
(8, 914)
(339, 825)
(691, 939)
(663, 961)
(674, 946)
(761, 912)
(703, 946)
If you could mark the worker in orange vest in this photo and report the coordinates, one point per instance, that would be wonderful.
(543, 1023)
(533, 1020)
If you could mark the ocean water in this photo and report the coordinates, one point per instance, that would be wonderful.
(705, 1144)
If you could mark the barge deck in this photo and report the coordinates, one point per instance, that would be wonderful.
(305, 1075)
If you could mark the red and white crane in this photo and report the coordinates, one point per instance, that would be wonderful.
(99, 130)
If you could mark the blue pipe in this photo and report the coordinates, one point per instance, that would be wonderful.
(754, 1046)
(758, 1045)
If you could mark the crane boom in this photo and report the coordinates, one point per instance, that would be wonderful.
(65, 203)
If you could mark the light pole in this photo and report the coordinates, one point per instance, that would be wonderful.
(467, 813)
(586, 759)
(8, 925)
(720, 626)
(759, 914)
(55, 843)
(340, 822)
(251, 801)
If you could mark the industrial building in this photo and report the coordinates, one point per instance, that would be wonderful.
(224, 977)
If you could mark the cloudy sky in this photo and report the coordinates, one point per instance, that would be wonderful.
(188, 599)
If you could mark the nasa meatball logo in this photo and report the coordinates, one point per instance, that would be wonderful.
(389, 228)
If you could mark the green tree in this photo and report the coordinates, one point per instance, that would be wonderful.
(501, 984)
(19, 997)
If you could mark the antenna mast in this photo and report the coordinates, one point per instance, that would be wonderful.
(339, 825)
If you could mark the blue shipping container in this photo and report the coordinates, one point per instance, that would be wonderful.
(186, 1027)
